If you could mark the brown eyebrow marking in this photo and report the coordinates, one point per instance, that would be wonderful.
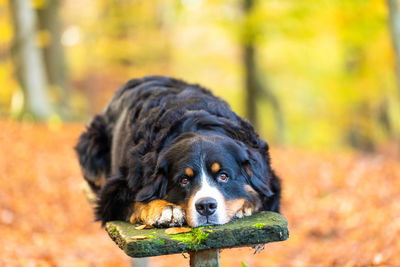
(189, 172)
(215, 167)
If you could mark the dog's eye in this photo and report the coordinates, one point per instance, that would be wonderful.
(184, 181)
(223, 177)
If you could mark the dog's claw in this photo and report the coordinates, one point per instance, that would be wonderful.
(239, 214)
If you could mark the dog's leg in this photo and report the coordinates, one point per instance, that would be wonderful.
(157, 213)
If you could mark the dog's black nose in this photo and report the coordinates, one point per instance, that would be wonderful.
(206, 206)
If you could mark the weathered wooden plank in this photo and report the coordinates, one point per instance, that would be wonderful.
(259, 228)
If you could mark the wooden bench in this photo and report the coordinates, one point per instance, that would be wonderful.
(202, 243)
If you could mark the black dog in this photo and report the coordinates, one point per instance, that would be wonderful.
(165, 152)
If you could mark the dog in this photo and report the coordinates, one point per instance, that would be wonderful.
(167, 153)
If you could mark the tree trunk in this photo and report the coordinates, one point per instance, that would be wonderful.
(254, 86)
(29, 61)
(394, 26)
(49, 23)
(251, 79)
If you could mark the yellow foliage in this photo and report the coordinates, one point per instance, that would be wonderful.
(55, 122)
(6, 32)
(8, 85)
(39, 4)
(43, 38)
(330, 64)
(17, 103)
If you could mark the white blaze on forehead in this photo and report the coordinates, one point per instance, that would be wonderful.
(207, 190)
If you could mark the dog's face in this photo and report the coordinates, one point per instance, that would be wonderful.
(209, 177)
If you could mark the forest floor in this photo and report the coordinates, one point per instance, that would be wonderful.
(343, 208)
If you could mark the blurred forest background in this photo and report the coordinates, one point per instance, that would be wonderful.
(320, 80)
(314, 74)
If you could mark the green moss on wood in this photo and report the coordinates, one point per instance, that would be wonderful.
(192, 239)
(260, 228)
(152, 235)
(259, 225)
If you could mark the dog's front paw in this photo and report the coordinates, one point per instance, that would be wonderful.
(158, 213)
(168, 215)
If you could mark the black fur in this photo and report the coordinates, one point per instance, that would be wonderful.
(93, 150)
(146, 117)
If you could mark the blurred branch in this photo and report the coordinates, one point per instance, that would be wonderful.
(266, 93)
(251, 83)
(29, 61)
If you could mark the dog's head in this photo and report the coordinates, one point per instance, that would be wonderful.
(213, 177)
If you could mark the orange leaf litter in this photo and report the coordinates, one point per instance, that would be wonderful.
(343, 208)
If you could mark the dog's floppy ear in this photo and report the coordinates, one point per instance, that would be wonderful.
(273, 203)
(255, 166)
(258, 170)
(263, 179)
(93, 151)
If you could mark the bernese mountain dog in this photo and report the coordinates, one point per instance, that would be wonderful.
(166, 153)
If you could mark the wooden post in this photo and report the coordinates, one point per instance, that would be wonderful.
(205, 258)
(140, 262)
